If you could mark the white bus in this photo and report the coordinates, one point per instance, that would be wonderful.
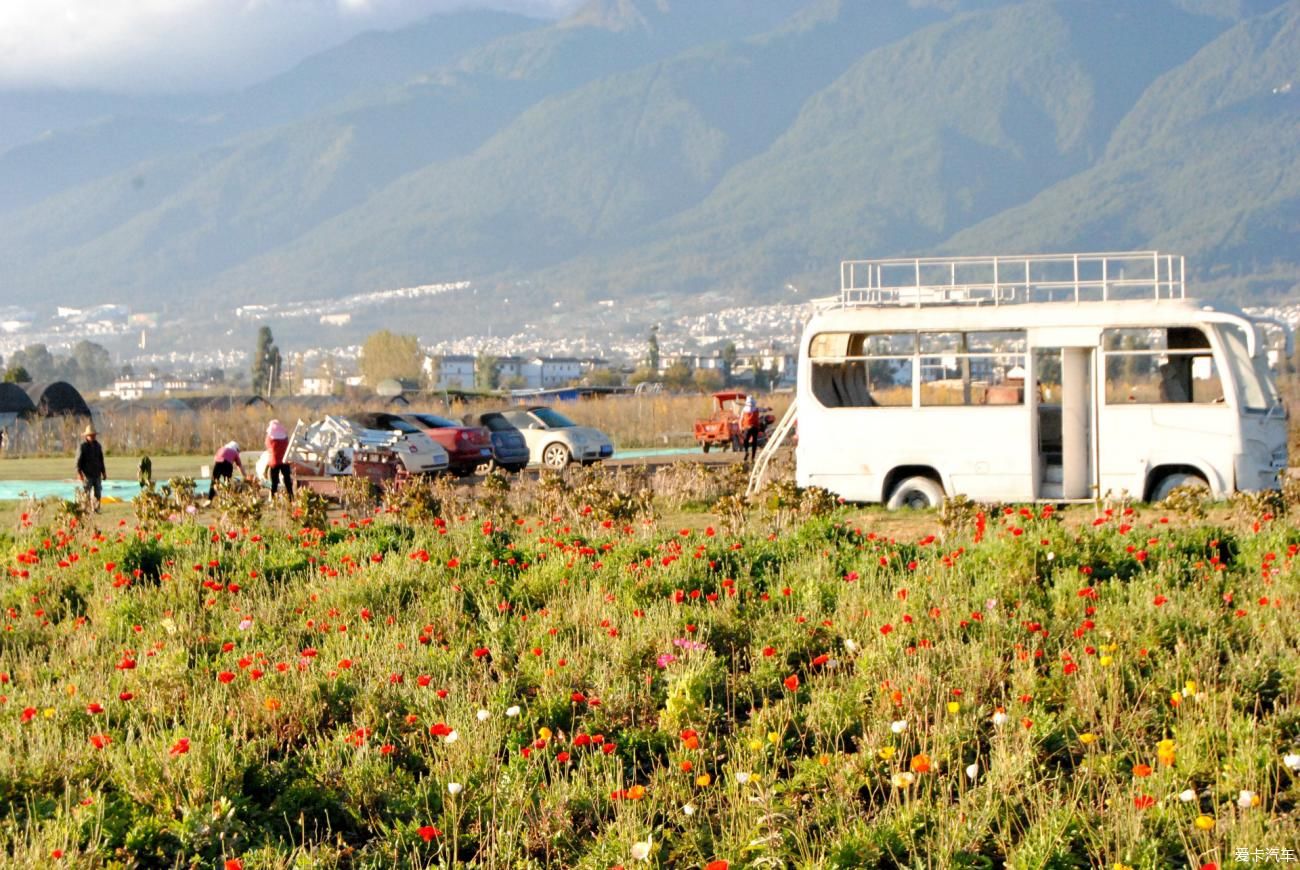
(1057, 378)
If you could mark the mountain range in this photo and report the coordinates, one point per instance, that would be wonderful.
(695, 151)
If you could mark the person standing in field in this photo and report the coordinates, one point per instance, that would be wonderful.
(277, 442)
(224, 464)
(749, 428)
(90, 466)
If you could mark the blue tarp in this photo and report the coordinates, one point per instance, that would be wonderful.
(15, 490)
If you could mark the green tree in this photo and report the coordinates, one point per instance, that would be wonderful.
(678, 375)
(16, 374)
(487, 375)
(388, 355)
(37, 360)
(604, 378)
(642, 375)
(94, 365)
(266, 362)
(707, 380)
(652, 349)
(761, 384)
(729, 355)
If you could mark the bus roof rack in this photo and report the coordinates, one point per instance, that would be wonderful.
(1011, 280)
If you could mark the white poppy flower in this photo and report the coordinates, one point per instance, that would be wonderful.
(641, 850)
(454, 788)
(1187, 795)
(512, 711)
(1292, 761)
(972, 772)
(898, 726)
(483, 715)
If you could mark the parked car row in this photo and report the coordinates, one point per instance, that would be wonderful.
(383, 444)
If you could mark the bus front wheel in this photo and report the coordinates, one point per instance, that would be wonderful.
(1170, 482)
(916, 493)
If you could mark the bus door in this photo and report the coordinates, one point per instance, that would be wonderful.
(1065, 443)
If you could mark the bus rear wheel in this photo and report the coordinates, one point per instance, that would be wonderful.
(916, 493)
(1170, 482)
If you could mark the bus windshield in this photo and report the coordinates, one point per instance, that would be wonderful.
(1254, 383)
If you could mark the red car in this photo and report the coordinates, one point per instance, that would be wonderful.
(467, 447)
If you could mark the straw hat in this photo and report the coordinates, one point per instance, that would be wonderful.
(90, 430)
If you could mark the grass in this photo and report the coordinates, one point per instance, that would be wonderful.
(119, 467)
(568, 675)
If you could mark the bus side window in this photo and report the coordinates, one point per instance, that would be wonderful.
(856, 370)
(1160, 366)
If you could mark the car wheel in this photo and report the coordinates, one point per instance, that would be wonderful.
(705, 445)
(1170, 482)
(916, 493)
(555, 456)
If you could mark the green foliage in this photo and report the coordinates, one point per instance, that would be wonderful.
(180, 695)
(386, 355)
(311, 509)
(266, 363)
(414, 499)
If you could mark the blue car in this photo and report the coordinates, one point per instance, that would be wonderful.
(509, 449)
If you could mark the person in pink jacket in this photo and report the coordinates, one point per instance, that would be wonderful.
(277, 442)
(224, 464)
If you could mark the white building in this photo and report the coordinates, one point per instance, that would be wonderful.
(141, 388)
(541, 373)
(320, 386)
(455, 371)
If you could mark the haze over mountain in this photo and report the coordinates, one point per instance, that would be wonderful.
(667, 147)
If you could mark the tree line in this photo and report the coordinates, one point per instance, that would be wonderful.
(88, 366)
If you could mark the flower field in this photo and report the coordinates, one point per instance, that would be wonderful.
(553, 683)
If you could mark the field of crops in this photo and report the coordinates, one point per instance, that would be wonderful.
(583, 676)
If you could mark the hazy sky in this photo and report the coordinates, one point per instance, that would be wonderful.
(166, 45)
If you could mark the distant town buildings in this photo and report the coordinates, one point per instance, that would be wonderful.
(129, 389)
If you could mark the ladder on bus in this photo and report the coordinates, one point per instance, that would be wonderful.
(758, 474)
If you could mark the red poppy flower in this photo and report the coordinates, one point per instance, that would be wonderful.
(99, 741)
(792, 682)
(428, 832)
(180, 747)
(225, 677)
(717, 865)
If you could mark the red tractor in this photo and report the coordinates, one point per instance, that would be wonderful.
(723, 428)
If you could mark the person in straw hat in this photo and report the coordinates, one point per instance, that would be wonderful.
(90, 466)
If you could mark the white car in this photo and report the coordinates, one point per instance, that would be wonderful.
(328, 448)
(554, 440)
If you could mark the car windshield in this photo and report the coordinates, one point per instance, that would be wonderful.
(433, 421)
(496, 423)
(388, 421)
(553, 419)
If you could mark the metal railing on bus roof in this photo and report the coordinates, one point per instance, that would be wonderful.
(1012, 280)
